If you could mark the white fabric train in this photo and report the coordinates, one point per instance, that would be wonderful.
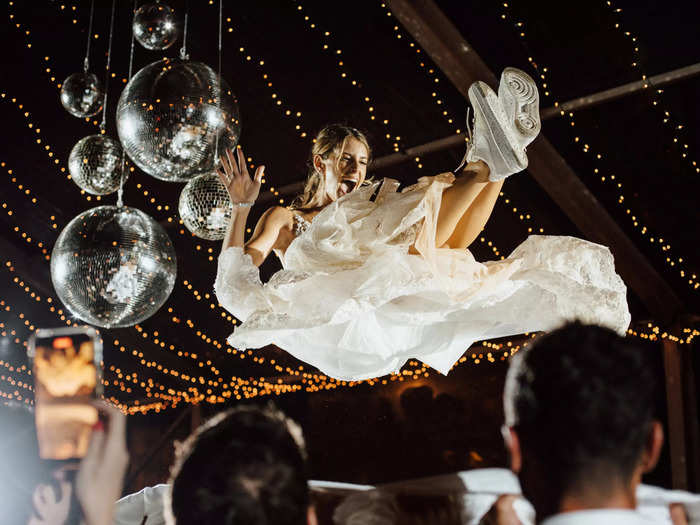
(351, 301)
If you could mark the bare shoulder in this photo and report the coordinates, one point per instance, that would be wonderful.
(276, 217)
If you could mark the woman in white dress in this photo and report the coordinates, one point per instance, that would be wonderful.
(373, 277)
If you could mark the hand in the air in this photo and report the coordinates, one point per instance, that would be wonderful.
(234, 175)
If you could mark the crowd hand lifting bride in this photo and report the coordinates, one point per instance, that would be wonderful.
(368, 283)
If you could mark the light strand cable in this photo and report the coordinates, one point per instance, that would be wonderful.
(86, 61)
(221, 83)
(103, 124)
(120, 192)
(183, 49)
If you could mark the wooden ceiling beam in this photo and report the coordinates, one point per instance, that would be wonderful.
(458, 60)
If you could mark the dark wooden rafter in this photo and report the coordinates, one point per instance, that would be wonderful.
(458, 139)
(462, 65)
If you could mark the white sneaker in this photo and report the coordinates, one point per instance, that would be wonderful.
(520, 99)
(495, 139)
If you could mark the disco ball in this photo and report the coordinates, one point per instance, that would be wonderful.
(171, 115)
(155, 26)
(113, 266)
(205, 207)
(95, 164)
(82, 95)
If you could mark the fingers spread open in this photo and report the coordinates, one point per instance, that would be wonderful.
(232, 162)
(241, 163)
(223, 177)
(259, 173)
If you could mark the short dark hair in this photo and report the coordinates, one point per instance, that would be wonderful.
(582, 400)
(245, 466)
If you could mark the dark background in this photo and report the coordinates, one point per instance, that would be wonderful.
(368, 432)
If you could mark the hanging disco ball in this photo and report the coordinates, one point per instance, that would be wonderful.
(205, 207)
(155, 26)
(82, 95)
(171, 115)
(113, 266)
(95, 164)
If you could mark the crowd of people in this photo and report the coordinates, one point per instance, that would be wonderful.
(580, 429)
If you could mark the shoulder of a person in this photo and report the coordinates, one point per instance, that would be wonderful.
(277, 215)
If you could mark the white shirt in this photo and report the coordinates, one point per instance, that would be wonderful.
(599, 517)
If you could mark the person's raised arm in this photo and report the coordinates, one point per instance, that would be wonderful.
(242, 190)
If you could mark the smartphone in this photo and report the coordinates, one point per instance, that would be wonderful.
(67, 377)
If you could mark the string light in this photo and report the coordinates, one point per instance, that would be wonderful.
(46, 148)
(612, 179)
(313, 382)
(432, 73)
(344, 73)
(656, 94)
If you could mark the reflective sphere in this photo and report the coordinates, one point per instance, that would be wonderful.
(82, 95)
(113, 266)
(95, 164)
(205, 207)
(155, 26)
(171, 115)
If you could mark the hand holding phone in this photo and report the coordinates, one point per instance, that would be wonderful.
(67, 379)
(98, 484)
(99, 479)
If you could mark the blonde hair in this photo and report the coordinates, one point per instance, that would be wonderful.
(331, 139)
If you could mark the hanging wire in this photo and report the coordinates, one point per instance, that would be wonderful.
(183, 49)
(131, 51)
(120, 193)
(103, 124)
(221, 18)
(86, 62)
(221, 82)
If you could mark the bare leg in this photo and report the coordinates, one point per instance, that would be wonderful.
(459, 198)
(473, 221)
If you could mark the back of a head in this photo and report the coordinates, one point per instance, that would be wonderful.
(581, 400)
(245, 466)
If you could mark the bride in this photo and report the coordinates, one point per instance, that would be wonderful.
(372, 277)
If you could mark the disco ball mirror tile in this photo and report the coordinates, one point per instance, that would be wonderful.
(171, 115)
(95, 164)
(113, 266)
(205, 207)
(82, 94)
(155, 26)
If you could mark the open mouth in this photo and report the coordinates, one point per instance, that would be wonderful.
(347, 186)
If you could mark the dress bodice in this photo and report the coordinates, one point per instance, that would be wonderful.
(300, 225)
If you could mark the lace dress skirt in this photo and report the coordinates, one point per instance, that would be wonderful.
(351, 301)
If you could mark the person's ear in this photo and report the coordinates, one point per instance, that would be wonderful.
(512, 442)
(311, 518)
(652, 450)
(319, 165)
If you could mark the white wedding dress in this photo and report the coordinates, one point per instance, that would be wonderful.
(351, 301)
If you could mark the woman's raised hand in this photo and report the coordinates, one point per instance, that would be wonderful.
(234, 175)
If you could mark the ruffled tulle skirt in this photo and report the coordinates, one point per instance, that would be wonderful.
(353, 302)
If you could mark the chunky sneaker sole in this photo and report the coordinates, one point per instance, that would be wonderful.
(521, 100)
(495, 140)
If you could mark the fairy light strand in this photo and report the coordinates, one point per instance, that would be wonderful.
(677, 262)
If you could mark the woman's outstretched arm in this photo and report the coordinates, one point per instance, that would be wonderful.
(243, 191)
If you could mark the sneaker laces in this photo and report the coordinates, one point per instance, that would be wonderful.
(470, 135)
